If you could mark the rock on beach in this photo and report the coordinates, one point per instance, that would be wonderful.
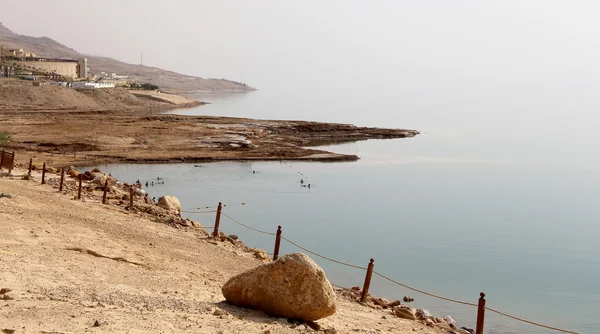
(293, 287)
(170, 203)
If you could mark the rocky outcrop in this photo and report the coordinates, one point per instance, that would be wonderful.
(170, 203)
(291, 287)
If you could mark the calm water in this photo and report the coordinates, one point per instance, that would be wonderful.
(490, 197)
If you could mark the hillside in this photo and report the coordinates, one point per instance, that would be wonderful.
(167, 80)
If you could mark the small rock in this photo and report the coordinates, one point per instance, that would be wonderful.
(4, 290)
(450, 321)
(7, 297)
(233, 236)
(330, 331)
(383, 317)
(470, 330)
(5, 195)
(394, 303)
(8, 331)
(423, 314)
(429, 322)
(218, 312)
(98, 323)
(406, 313)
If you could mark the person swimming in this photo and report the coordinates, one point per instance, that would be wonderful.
(309, 186)
(301, 181)
(146, 184)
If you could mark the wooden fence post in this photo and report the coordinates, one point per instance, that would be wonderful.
(44, 174)
(12, 164)
(62, 179)
(30, 166)
(1, 158)
(79, 191)
(480, 314)
(367, 284)
(105, 189)
(277, 243)
(131, 196)
(217, 221)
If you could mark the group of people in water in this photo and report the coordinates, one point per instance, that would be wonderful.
(304, 185)
(151, 183)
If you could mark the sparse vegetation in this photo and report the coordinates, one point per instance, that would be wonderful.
(144, 86)
(4, 137)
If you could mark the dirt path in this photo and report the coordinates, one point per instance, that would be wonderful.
(70, 263)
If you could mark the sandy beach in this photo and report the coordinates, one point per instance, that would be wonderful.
(74, 263)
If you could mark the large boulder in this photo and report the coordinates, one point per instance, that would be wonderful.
(170, 203)
(291, 287)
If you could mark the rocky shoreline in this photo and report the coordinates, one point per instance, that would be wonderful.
(167, 210)
(115, 126)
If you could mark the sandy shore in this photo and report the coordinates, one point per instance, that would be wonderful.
(71, 263)
(113, 125)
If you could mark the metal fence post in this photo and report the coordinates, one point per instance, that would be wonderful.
(105, 189)
(480, 314)
(217, 220)
(44, 174)
(277, 243)
(79, 191)
(365, 291)
(62, 179)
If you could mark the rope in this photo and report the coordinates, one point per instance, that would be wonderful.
(199, 211)
(530, 322)
(423, 292)
(322, 256)
(246, 226)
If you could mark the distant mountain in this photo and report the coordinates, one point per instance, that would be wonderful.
(167, 80)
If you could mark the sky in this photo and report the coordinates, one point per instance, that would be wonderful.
(343, 45)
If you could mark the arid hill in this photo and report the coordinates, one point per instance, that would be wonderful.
(167, 80)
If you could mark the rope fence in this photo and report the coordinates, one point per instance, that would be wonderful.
(481, 305)
(323, 256)
(211, 211)
(246, 226)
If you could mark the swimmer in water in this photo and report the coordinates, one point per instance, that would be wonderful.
(301, 181)
(146, 183)
(309, 186)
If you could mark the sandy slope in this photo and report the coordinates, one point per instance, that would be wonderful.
(154, 278)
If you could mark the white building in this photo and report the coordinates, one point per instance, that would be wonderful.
(92, 85)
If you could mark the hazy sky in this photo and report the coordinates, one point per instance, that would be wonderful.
(349, 44)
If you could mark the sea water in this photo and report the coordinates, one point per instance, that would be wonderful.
(498, 202)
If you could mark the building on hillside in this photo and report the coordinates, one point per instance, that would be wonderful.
(92, 85)
(82, 68)
(17, 53)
